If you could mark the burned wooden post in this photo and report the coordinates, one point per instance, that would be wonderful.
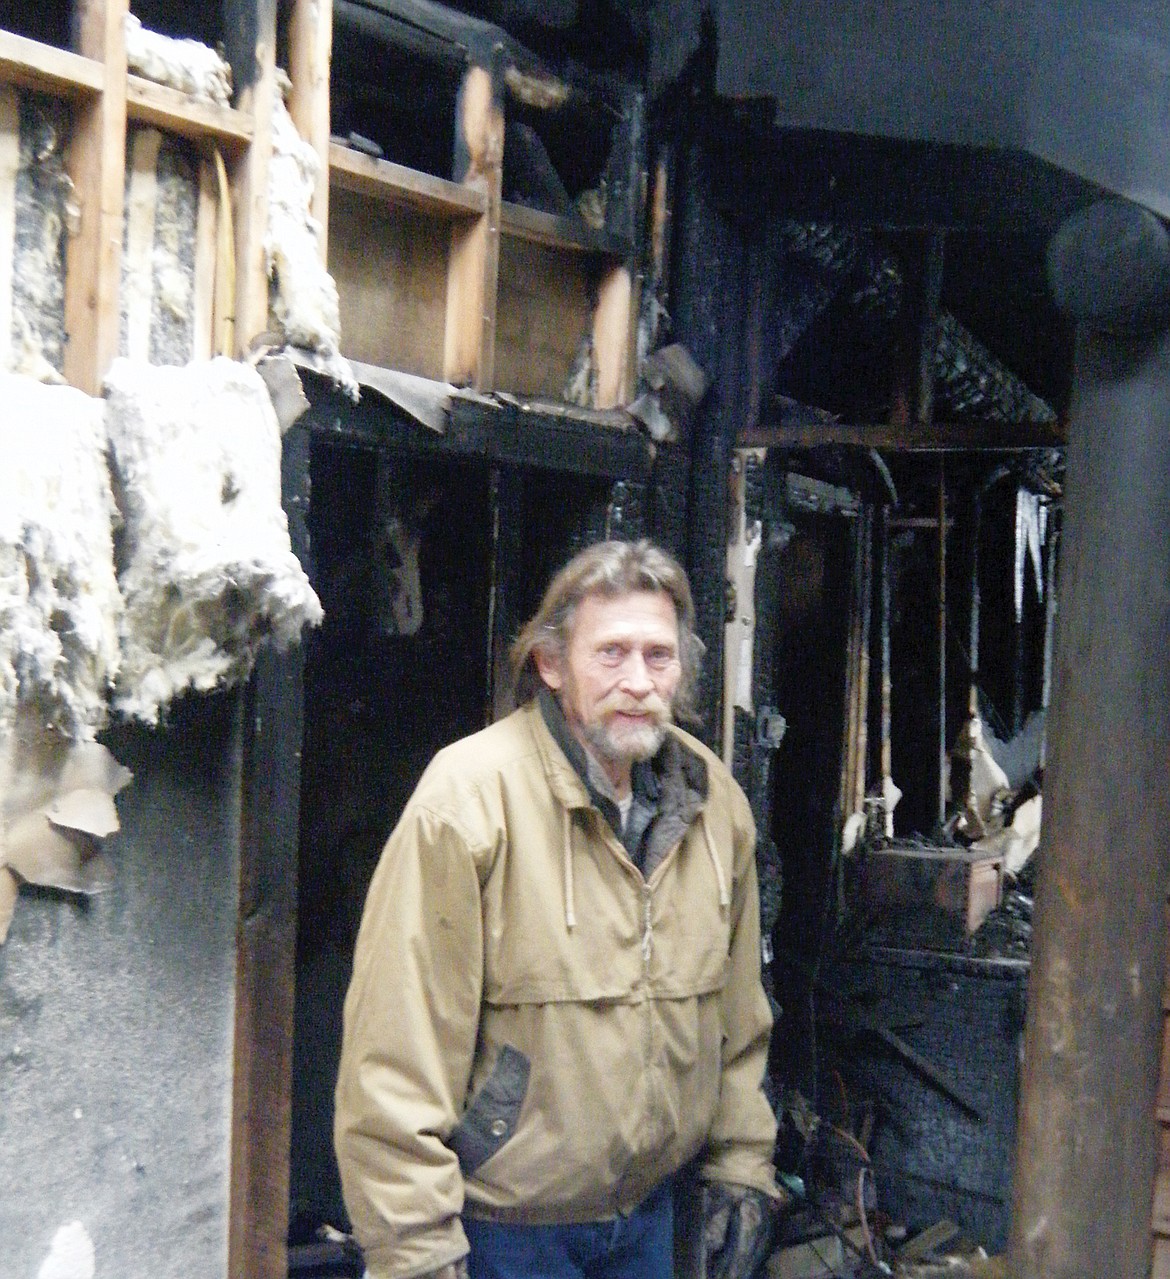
(1087, 1142)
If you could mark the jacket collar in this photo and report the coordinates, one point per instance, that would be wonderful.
(563, 779)
(676, 768)
(682, 773)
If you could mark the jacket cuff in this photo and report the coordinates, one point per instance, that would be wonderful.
(421, 1256)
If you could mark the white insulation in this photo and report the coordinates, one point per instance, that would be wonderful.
(207, 571)
(303, 298)
(60, 609)
(187, 65)
(37, 208)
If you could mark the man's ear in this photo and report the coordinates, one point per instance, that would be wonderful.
(548, 666)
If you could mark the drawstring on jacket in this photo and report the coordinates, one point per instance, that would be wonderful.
(724, 891)
(570, 911)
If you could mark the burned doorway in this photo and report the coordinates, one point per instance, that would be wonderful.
(401, 557)
(898, 601)
(428, 550)
(806, 539)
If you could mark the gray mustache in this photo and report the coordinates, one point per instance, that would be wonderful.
(653, 706)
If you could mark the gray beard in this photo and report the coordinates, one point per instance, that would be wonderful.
(638, 744)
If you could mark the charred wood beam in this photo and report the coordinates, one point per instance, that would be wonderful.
(914, 333)
(943, 742)
(823, 174)
(1087, 1148)
(945, 437)
(529, 174)
(386, 28)
(832, 257)
(507, 591)
(885, 735)
(241, 27)
(272, 714)
(496, 431)
(946, 365)
(861, 765)
(710, 290)
(626, 176)
(407, 20)
(434, 31)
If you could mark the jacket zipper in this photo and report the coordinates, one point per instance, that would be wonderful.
(647, 934)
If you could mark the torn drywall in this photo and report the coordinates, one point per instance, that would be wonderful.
(60, 608)
(56, 805)
(304, 296)
(979, 785)
(159, 248)
(36, 205)
(186, 65)
(206, 569)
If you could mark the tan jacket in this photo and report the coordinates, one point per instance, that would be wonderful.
(533, 1031)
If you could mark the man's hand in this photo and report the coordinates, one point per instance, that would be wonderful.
(737, 1230)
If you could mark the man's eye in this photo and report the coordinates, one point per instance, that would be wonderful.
(614, 654)
(659, 658)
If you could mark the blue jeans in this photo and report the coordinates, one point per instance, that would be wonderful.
(640, 1246)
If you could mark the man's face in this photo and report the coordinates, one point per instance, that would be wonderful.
(618, 676)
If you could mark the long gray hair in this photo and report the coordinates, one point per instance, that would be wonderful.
(609, 569)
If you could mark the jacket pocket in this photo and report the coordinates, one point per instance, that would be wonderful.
(491, 1117)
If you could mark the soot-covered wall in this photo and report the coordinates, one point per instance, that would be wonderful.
(116, 1020)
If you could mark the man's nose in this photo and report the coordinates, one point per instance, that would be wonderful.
(636, 675)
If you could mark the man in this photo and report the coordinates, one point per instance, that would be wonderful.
(556, 999)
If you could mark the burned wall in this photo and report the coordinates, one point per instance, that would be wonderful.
(116, 1018)
(117, 1009)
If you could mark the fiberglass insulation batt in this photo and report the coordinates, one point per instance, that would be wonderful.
(304, 302)
(59, 602)
(36, 208)
(206, 569)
